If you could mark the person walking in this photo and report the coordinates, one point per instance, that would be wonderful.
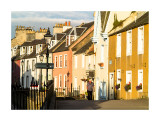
(90, 86)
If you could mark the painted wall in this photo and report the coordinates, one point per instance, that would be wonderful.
(64, 70)
(16, 72)
(134, 63)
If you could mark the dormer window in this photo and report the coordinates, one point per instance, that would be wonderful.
(38, 48)
(22, 50)
(31, 49)
(70, 39)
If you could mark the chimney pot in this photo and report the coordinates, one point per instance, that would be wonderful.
(66, 23)
(69, 23)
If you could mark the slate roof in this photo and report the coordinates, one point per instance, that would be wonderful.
(144, 19)
(84, 48)
(62, 47)
(32, 55)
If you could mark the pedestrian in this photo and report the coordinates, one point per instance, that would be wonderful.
(90, 86)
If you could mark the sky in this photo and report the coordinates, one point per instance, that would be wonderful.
(45, 19)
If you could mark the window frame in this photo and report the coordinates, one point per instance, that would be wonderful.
(56, 61)
(60, 81)
(140, 71)
(129, 71)
(60, 63)
(65, 60)
(140, 48)
(118, 47)
(129, 42)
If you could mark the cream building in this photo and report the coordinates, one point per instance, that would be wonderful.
(83, 63)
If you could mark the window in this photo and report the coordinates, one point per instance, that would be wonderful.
(27, 65)
(65, 60)
(129, 43)
(67, 40)
(102, 53)
(82, 85)
(65, 80)
(129, 78)
(83, 61)
(118, 45)
(75, 82)
(60, 81)
(31, 49)
(60, 61)
(141, 40)
(56, 61)
(55, 81)
(89, 62)
(33, 65)
(119, 77)
(24, 50)
(40, 47)
(75, 61)
(71, 38)
(140, 78)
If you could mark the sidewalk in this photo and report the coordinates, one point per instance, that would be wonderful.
(137, 104)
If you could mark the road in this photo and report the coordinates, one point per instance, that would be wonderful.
(137, 104)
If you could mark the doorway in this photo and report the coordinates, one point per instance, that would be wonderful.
(111, 86)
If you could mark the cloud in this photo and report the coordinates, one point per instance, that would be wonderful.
(46, 19)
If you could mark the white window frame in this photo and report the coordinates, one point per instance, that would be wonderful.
(129, 43)
(127, 81)
(118, 81)
(55, 78)
(55, 61)
(118, 47)
(60, 86)
(65, 77)
(140, 47)
(102, 53)
(139, 80)
(60, 66)
(65, 59)
(75, 58)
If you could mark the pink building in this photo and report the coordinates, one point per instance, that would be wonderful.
(62, 54)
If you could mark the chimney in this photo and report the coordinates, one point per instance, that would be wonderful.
(40, 29)
(66, 23)
(69, 23)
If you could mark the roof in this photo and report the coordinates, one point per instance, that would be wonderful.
(79, 31)
(62, 47)
(144, 19)
(83, 42)
(32, 55)
(104, 19)
(34, 42)
(84, 48)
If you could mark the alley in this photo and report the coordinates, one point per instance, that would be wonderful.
(138, 104)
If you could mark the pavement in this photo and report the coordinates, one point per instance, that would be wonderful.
(134, 104)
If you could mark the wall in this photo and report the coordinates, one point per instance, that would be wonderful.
(126, 63)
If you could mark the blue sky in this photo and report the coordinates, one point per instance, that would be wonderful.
(45, 19)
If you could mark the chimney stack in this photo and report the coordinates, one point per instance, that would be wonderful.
(69, 23)
(66, 23)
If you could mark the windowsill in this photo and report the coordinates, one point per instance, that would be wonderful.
(140, 90)
(101, 67)
(129, 55)
(60, 67)
(140, 53)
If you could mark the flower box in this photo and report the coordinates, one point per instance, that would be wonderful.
(117, 86)
(127, 87)
(101, 64)
(139, 87)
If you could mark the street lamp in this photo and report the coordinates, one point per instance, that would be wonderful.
(41, 60)
(22, 62)
(47, 37)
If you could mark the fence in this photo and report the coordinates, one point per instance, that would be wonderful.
(32, 98)
(68, 92)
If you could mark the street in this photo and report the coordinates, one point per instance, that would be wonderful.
(137, 104)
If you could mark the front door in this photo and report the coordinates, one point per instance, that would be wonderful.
(111, 86)
(103, 90)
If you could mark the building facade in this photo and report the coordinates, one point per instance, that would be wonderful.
(128, 58)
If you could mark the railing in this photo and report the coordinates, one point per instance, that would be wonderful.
(32, 98)
(68, 92)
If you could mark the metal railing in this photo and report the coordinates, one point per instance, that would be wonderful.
(32, 98)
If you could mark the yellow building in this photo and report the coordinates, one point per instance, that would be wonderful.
(128, 58)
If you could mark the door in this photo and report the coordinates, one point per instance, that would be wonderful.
(111, 86)
(103, 90)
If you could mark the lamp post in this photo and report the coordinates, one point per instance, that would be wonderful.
(22, 62)
(41, 60)
(47, 37)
